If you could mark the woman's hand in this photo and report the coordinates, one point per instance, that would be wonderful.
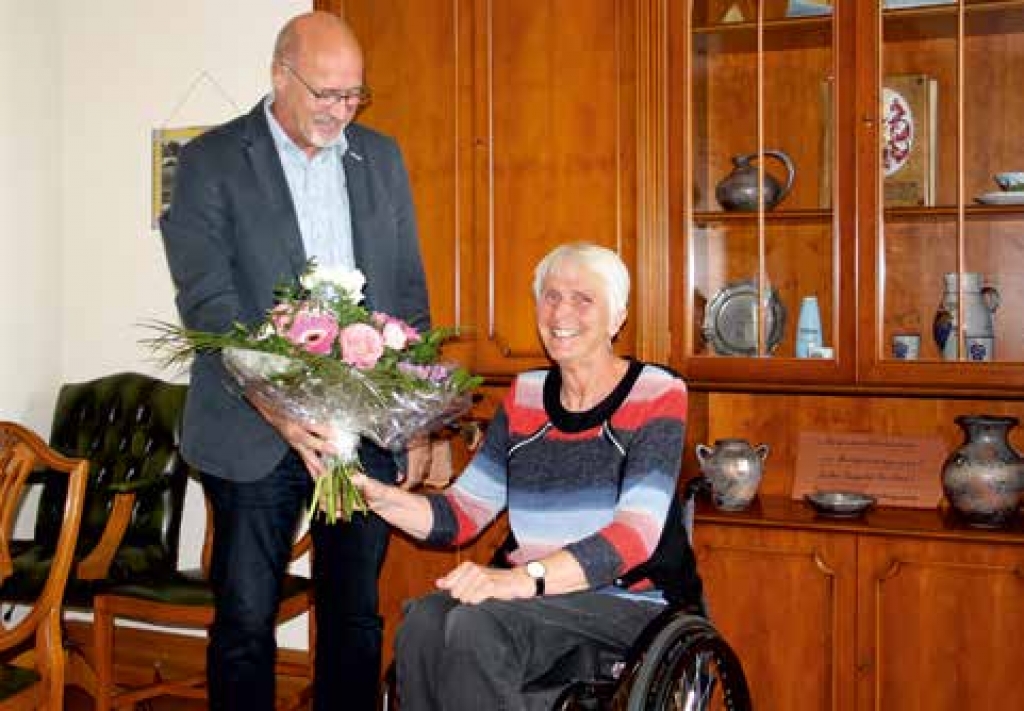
(402, 509)
(472, 583)
(374, 493)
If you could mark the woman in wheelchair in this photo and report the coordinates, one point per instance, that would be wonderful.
(585, 456)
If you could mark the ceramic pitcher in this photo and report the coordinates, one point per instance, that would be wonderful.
(980, 302)
(733, 468)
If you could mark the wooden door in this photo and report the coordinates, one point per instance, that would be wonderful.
(940, 625)
(518, 123)
(782, 599)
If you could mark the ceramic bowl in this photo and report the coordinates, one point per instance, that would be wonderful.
(1012, 181)
(844, 504)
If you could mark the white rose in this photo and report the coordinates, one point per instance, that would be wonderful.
(349, 282)
(394, 335)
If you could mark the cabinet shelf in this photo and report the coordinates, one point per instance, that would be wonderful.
(787, 513)
(939, 22)
(950, 211)
(706, 217)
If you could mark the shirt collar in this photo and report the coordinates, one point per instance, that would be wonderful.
(284, 142)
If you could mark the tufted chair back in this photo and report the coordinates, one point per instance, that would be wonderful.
(128, 426)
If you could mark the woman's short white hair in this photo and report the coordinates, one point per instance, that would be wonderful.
(601, 261)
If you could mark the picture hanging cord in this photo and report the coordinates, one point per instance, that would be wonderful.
(203, 75)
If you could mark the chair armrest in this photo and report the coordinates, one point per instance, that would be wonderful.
(96, 564)
(301, 546)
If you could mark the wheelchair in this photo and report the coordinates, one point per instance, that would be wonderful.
(678, 663)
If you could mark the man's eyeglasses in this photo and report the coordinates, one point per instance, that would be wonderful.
(359, 95)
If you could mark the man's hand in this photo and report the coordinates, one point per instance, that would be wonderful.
(417, 463)
(472, 583)
(311, 440)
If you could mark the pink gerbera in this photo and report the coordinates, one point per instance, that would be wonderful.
(313, 331)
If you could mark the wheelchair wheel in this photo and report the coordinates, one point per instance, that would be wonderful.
(688, 667)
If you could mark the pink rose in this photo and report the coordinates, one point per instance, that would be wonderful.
(281, 317)
(313, 331)
(397, 333)
(361, 345)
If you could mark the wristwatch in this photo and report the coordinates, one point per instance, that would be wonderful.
(536, 570)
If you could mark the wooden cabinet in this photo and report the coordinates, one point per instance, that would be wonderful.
(529, 124)
(782, 599)
(518, 121)
(903, 610)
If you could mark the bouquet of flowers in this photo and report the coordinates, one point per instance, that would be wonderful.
(321, 356)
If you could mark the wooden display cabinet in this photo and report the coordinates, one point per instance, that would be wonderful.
(752, 83)
(971, 51)
(755, 79)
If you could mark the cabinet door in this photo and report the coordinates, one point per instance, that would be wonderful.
(782, 600)
(554, 132)
(765, 240)
(939, 625)
(942, 270)
(420, 67)
(518, 121)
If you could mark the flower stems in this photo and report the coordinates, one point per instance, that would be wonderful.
(334, 493)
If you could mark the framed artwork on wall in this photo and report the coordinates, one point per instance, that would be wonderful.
(166, 144)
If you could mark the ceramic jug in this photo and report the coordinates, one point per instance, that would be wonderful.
(980, 302)
(738, 190)
(983, 479)
(733, 468)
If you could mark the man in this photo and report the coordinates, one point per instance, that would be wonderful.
(294, 179)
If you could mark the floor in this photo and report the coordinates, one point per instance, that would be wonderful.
(77, 700)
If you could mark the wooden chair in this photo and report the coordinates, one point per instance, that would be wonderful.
(185, 600)
(32, 673)
(127, 426)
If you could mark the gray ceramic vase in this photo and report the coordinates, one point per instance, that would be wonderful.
(983, 479)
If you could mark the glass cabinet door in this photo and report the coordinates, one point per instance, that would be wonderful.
(758, 195)
(948, 263)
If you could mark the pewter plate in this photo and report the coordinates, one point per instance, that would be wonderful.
(840, 504)
(730, 321)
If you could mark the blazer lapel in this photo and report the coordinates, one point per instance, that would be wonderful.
(269, 177)
(361, 208)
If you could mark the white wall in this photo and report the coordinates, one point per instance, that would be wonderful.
(31, 320)
(84, 85)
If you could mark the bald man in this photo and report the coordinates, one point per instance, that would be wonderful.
(256, 198)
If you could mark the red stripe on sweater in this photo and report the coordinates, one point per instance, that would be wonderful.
(634, 414)
(628, 542)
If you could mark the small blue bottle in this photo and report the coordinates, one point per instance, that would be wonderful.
(808, 327)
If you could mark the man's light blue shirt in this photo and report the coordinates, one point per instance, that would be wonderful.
(320, 195)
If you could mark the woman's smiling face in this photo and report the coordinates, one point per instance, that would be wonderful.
(573, 317)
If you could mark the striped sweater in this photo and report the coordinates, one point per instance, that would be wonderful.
(596, 483)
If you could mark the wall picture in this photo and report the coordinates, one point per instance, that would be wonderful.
(166, 145)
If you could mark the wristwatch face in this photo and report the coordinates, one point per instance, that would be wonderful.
(535, 569)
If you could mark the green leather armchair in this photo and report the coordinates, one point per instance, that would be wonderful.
(127, 425)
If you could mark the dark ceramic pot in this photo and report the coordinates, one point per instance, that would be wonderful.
(984, 478)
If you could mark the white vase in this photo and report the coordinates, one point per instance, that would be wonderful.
(980, 302)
